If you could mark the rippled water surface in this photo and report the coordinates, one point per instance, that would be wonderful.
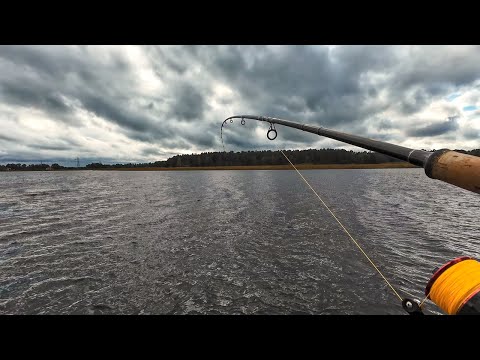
(225, 242)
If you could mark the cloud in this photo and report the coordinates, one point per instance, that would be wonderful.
(471, 134)
(435, 129)
(189, 103)
(51, 147)
(6, 138)
(142, 103)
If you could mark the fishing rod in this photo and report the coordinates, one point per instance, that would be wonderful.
(453, 167)
(455, 286)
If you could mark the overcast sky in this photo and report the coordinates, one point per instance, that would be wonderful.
(147, 103)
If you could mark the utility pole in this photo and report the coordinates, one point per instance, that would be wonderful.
(78, 162)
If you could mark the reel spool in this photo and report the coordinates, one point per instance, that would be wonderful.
(455, 287)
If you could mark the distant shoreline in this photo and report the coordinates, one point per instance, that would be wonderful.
(393, 165)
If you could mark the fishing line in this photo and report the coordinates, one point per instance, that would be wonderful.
(272, 134)
(343, 227)
(460, 292)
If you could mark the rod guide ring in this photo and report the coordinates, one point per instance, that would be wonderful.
(268, 134)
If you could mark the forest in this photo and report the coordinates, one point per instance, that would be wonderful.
(248, 158)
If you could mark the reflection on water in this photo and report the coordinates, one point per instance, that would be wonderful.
(225, 242)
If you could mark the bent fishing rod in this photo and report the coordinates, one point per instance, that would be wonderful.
(453, 167)
(455, 286)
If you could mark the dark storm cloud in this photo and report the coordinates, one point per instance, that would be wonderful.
(173, 97)
(37, 59)
(298, 79)
(112, 111)
(188, 104)
(327, 85)
(101, 90)
(435, 67)
(27, 95)
(435, 129)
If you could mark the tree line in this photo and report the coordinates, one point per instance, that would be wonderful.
(263, 157)
(268, 157)
(31, 167)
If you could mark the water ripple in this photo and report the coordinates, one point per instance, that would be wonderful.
(225, 242)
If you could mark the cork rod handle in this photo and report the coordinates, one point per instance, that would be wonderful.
(458, 169)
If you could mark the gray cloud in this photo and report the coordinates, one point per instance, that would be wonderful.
(435, 129)
(471, 134)
(6, 138)
(115, 113)
(157, 100)
(23, 94)
(151, 151)
(385, 124)
(52, 147)
(188, 104)
(415, 102)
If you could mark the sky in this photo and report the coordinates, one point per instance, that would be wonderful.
(116, 104)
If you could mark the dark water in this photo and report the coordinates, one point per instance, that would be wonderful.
(225, 242)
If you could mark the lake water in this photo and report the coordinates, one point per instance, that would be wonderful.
(226, 242)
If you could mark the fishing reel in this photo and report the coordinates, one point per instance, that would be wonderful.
(454, 288)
